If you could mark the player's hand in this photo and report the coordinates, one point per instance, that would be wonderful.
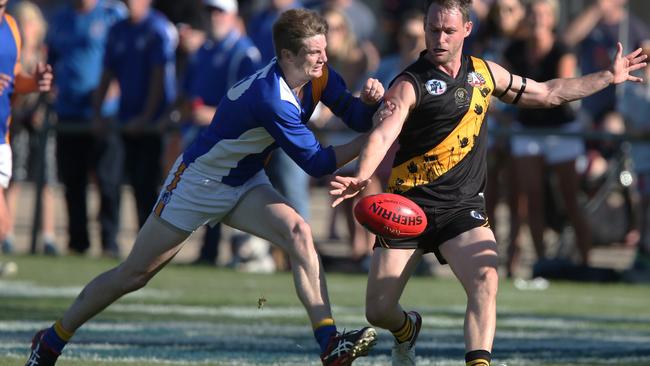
(5, 81)
(623, 66)
(43, 76)
(372, 92)
(346, 187)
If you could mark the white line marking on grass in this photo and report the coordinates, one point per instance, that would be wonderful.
(30, 290)
(235, 312)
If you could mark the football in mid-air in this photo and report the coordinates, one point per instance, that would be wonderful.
(391, 216)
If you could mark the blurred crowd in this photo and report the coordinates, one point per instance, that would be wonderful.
(136, 81)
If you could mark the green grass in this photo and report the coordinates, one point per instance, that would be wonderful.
(586, 309)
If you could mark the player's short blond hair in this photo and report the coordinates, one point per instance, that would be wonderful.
(294, 26)
(464, 6)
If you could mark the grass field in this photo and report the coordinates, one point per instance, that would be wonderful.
(207, 316)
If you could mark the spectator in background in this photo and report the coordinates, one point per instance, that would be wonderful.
(13, 80)
(48, 7)
(76, 41)
(360, 18)
(503, 25)
(27, 127)
(410, 41)
(186, 12)
(140, 56)
(191, 23)
(595, 33)
(226, 57)
(635, 107)
(478, 14)
(542, 56)
(392, 13)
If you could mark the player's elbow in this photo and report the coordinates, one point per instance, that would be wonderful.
(314, 172)
(316, 169)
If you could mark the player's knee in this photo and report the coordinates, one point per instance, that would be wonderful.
(300, 237)
(132, 279)
(485, 283)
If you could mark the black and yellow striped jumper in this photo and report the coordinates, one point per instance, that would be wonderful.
(441, 162)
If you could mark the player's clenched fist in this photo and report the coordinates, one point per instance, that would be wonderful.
(372, 92)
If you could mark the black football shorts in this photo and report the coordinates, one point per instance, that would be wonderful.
(443, 223)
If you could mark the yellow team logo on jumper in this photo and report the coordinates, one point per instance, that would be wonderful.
(443, 157)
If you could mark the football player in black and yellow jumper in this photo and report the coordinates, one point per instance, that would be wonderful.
(438, 107)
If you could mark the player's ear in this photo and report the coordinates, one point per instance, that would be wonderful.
(286, 54)
(468, 27)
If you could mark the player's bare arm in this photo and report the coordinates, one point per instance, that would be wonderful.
(398, 101)
(525, 92)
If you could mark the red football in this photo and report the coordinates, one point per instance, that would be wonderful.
(391, 216)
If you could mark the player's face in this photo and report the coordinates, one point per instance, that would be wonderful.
(312, 57)
(445, 32)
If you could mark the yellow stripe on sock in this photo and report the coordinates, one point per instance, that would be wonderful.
(479, 362)
(61, 332)
(323, 323)
(404, 333)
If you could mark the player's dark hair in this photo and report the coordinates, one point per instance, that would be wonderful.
(295, 25)
(463, 5)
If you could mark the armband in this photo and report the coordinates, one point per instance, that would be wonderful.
(521, 90)
(507, 89)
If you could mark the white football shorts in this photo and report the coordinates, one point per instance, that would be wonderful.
(554, 148)
(5, 165)
(189, 200)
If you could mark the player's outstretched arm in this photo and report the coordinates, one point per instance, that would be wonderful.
(398, 101)
(526, 92)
